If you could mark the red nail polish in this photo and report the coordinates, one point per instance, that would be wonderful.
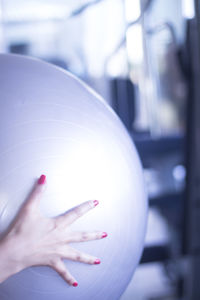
(97, 262)
(96, 202)
(42, 179)
(104, 234)
(75, 284)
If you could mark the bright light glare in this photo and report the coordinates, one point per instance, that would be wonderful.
(32, 12)
(132, 10)
(179, 173)
(135, 44)
(188, 9)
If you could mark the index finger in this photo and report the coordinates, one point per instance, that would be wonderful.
(76, 212)
(35, 195)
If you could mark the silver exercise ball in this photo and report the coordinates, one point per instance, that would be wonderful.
(52, 123)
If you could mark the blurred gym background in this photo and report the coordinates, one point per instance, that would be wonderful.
(143, 57)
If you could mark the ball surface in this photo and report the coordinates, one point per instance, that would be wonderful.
(53, 124)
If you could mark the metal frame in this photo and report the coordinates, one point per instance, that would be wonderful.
(191, 246)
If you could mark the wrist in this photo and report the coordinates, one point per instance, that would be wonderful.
(8, 265)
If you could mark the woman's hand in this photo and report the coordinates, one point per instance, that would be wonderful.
(34, 240)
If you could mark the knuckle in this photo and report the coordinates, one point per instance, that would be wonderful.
(84, 236)
(63, 273)
(78, 257)
(78, 211)
(54, 262)
(35, 193)
(53, 225)
(28, 208)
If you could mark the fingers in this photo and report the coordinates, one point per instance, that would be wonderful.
(76, 237)
(75, 213)
(36, 193)
(61, 269)
(75, 255)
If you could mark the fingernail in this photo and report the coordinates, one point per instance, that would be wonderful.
(96, 202)
(104, 234)
(75, 284)
(97, 262)
(42, 179)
